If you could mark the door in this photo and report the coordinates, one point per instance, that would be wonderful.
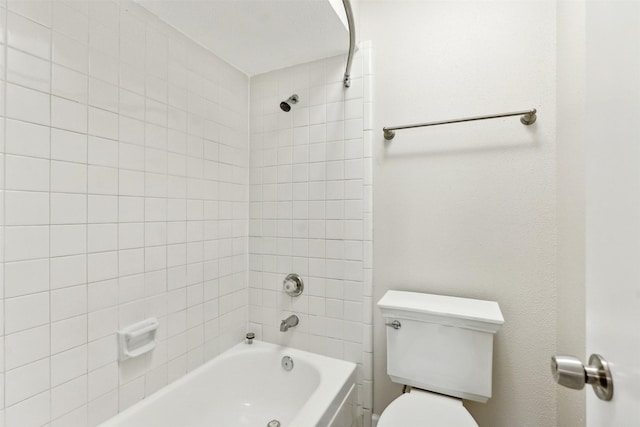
(613, 205)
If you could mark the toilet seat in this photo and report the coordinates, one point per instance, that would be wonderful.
(423, 409)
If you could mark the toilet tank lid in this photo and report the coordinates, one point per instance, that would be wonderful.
(472, 312)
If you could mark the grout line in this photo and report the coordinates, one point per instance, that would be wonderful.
(85, 255)
(3, 106)
(49, 61)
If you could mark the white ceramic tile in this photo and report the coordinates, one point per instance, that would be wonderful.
(69, 333)
(131, 76)
(76, 418)
(70, 22)
(77, 246)
(131, 235)
(35, 10)
(353, 109)
(103, 123)
(103, 95)
(68, 146)
(23, 243)
(102, 237)
(105, 13)
(28, 70)
(104, 39)
(130, 261)
(70, 52)
(103, 66)
(68, 271)
(26, 381)
(131, 157)
(353, 149)
(131, 105)
(68, 115)
(26, 346)
(103, 408)
(27, 104)
(68, 177)
(102, 180)
(102, 352)
(103, 323)
(68, 208)
(68, 396)
(26, 312)
(102, 266)
(28, 36)
(26, 139)
(130, 209)
(103, 380)
(68, 365)
(68, 302)
(353, 128)
(131, 183)
(68, 83)
(102, 208)
(103, 152)
(26, 173)
(26, 208)
(102, 295)
(34, 411)
(26, 277)
(131, 393)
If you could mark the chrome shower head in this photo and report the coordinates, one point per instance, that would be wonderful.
(286, 105)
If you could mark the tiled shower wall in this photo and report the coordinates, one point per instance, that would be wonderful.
(310, 210)
(124, 155)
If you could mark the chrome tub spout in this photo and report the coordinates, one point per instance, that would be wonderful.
(289, 322)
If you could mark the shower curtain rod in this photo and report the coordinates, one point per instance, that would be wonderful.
(528, 118)
(352, 41)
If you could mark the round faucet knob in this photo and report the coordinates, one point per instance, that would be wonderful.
(293, 285)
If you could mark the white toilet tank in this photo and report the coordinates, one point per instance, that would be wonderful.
(440, 343)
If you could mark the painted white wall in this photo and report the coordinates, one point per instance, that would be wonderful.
(571, 153)
(125, 177)
(469, 209)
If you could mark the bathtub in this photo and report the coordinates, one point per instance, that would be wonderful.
(248, 386)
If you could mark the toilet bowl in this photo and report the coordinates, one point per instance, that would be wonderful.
(442, 347)
(420, 408)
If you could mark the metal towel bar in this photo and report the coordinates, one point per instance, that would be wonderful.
(528, 118)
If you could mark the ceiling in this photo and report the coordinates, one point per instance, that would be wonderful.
(259, 36)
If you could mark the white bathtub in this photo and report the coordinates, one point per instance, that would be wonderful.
(247, 386)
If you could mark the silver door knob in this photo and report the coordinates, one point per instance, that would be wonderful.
(569, 371)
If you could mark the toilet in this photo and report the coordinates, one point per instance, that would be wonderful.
(441, 348)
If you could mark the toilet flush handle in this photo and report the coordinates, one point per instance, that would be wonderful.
(395, 324)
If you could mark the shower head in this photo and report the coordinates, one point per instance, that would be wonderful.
(286, 105)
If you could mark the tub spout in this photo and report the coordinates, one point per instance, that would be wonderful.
(289, 322)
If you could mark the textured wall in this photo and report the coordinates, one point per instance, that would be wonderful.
(310, 210)
(469, 209)
(125, 185)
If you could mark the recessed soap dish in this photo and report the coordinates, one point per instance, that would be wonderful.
(137, 339)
